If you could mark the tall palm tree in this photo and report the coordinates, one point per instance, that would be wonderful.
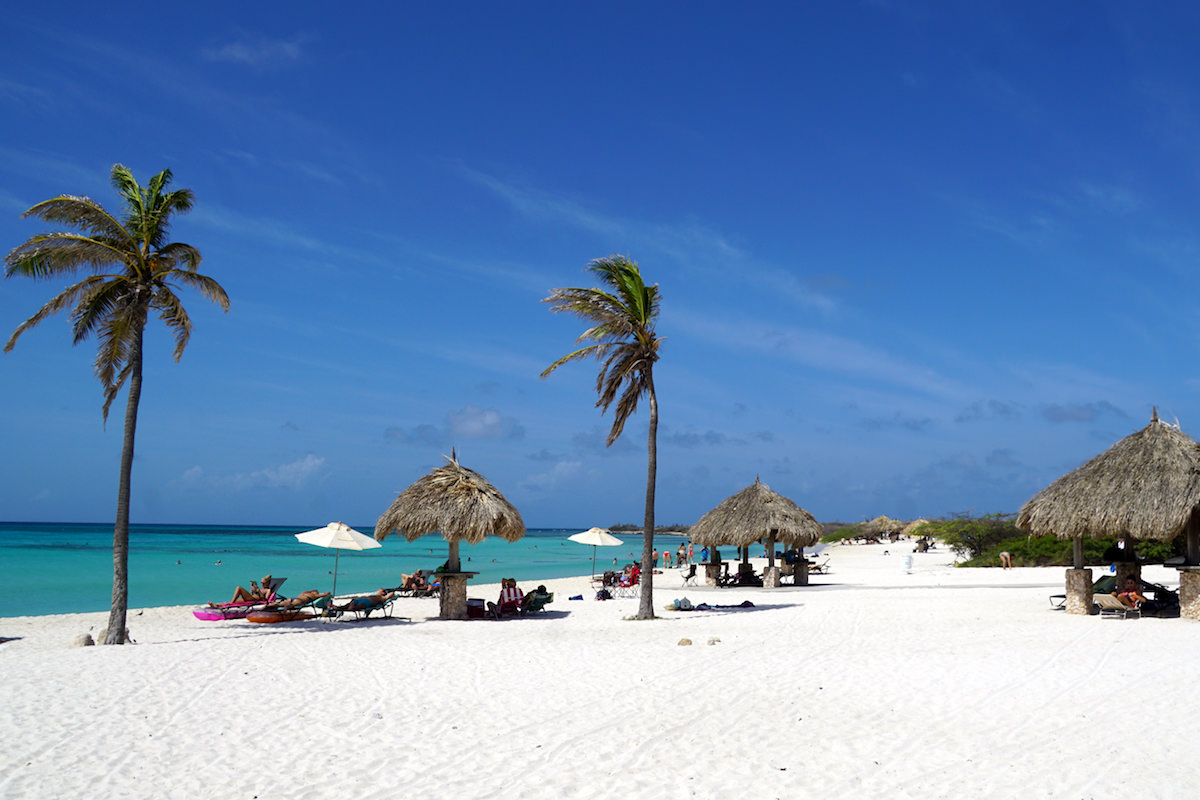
(114, 305)
(622, 314)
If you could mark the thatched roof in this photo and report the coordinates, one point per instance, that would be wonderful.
(1145, 486)
(881, 524)
(454, 501)
(753, 514)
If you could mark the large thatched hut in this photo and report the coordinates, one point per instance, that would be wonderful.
(1146, 486)
(757, 514)
(883, 524)
(462, 506)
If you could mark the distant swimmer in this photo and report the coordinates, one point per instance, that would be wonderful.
(218, 563)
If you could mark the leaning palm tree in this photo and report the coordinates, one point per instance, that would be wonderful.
(623, 341)
(114, 305)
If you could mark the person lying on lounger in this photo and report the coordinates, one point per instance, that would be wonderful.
(304, 598)
(1130, 596)
(370, 601)
(415, 582)
(255, 594)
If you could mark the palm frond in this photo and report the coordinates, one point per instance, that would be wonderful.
(203, 284)
(177, 255)
(50, 254)
(622, 333)
(172, 312)
(56, 304)
(97, 305)
(79, 212)
(586, 352)
(114, 389)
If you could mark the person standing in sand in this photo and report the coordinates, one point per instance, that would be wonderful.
(1006, 560)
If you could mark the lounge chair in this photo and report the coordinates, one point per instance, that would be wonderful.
(1105, 584)
(688, 575)
(286, 612)
(818, 567)
(362, 610)
(239, 609)
(1112, 607)
(535, 602)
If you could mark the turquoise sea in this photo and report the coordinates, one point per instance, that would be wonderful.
(59, 568)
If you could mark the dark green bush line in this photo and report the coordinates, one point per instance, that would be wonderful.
(980, 540)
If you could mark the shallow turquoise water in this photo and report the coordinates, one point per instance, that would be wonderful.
(58, 568)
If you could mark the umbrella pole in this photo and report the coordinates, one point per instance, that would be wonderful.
(593, 561)
(336, 552)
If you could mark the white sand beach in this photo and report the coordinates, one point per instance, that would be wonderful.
(872, 682)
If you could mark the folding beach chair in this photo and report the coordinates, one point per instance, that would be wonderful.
(688, 575)
(1112, 607)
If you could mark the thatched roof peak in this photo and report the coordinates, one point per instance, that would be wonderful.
(1145, 486)
(753, 514)
(454, 501)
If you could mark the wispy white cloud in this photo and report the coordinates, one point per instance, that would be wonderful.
(294, 476)
(685, 241)
(698, 246)
(560, 472)
(471, 422)
(258, 51)
(820, 350)
(1111, 199)
(21, 92)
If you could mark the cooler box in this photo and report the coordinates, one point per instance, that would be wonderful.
(475, 608)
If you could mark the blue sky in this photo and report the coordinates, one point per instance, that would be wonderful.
(915, 258)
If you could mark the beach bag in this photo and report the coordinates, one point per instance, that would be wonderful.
(603, 594)
(684, 604)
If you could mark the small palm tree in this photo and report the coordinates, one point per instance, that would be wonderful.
(115, 305)
(622, 338)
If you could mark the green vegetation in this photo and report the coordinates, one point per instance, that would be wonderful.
(840, 531)
(980, 540)
(629, 527)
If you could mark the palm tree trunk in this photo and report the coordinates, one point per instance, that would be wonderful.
(646, 606)
(120, 593)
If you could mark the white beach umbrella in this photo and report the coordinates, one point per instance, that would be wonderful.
(338, 536)
(596, 537)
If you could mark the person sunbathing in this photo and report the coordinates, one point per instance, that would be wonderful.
(1130, 596)
(302, 599)
(369, 601)
(255, 594)
(415, 582)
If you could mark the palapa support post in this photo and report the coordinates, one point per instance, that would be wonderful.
(453, 597)
(800, 573)
(1126, 569)
(712, 571)
(1079, 591)
(771, 577)
(1189, 574)
(1189, 593)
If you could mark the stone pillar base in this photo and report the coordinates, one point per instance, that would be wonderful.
(771, 577)
(453, 598)
(711, 573)
(1189, 594)
(1079, 591)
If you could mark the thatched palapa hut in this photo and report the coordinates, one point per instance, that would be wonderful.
(756, 514)
(883, 524)
(1146, 486)
(462, 506)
